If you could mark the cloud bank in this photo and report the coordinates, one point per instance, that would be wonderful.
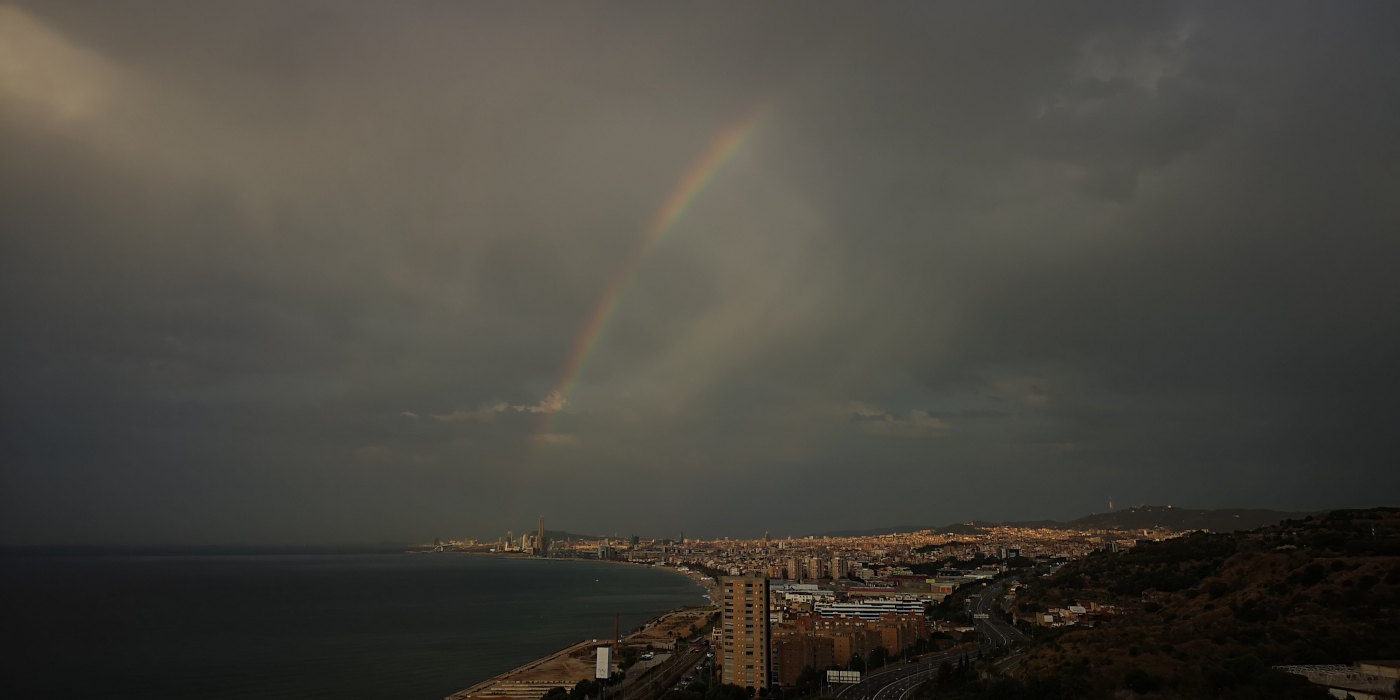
(311, 273)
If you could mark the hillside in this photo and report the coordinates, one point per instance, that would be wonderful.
(1182, 519)
(1206, 615)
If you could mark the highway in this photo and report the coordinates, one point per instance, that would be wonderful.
(991, 630)
(897, 681)
(688, 661)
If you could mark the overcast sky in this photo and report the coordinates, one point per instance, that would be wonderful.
(309, 272)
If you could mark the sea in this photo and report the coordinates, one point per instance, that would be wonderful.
(344, 626)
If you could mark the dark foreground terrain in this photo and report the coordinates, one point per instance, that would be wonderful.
(1207, 615)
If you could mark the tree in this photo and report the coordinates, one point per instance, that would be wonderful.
(945, 673)
(728, 691)
(681, 695)
(879, 656)
(584, 689)
(1140, 681)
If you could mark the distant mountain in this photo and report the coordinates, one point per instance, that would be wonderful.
(975, 527)
(970, 528)
(571, 536)
(871, 532)
(1135, 518)
(1142, 517)
(1050, 524)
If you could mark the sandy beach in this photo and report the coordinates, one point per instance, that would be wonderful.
(566, 667)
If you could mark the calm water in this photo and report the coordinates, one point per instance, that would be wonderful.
(303, 626)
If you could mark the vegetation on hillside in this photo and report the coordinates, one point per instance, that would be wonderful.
(1207, 615)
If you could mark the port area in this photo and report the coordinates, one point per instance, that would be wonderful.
(566, 667)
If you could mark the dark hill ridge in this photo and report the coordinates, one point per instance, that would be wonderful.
(1143, 517)
(1208, 614)
(1135, 518)
(554, 535)
(971, 528)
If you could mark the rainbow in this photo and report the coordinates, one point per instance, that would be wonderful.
(687, 190)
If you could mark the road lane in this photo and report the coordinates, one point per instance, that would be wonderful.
(892, 682)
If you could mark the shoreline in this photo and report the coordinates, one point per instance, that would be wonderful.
(710, 585)
(565, 668)
(515, 684)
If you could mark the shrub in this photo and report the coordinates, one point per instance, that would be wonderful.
(1140, 681)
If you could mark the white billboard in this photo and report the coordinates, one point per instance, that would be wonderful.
(604, 667)
(834, 676)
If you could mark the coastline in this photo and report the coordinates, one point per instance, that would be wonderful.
(710, 585)
(575, 663)
(567, 666)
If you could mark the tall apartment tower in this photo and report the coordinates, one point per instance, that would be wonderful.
(541, 544)
(744, 635)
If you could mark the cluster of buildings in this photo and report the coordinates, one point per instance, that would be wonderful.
(817, 558)
(1087, 614)
(771, 631)
(863, 558)
(789, 604)
(1367, 680)
(534, 544)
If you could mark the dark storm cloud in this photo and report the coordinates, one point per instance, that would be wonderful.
(310, 273)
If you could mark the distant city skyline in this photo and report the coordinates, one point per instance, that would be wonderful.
(1142, 515)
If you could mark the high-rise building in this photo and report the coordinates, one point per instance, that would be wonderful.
(541, 543)
(744, 635)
